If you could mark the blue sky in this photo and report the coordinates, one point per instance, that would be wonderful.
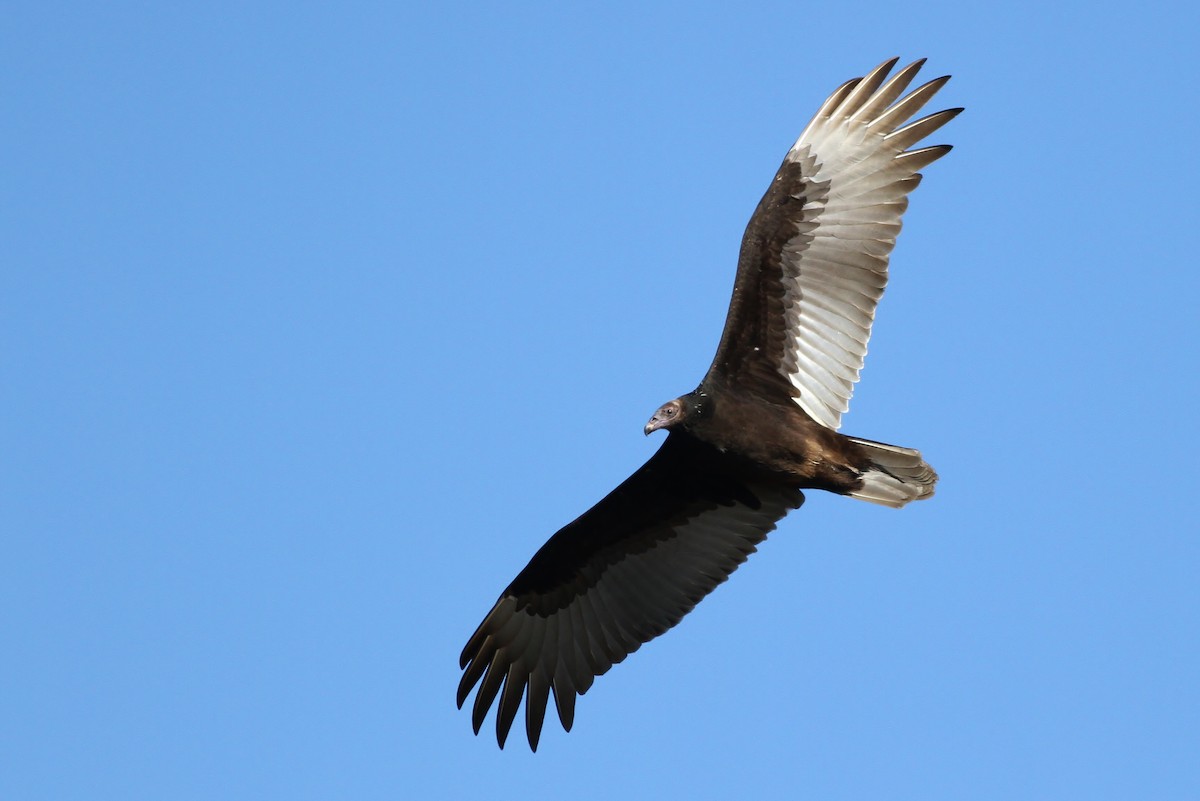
(317, 320)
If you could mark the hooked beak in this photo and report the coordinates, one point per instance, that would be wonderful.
(655, 423)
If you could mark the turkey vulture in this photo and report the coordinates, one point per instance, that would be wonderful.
(761, 427)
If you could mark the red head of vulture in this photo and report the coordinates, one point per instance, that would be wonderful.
(761, 427)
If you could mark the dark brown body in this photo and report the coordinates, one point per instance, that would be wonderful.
(776, 436)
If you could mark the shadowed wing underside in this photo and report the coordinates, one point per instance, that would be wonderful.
(620, 575)
(814, 257)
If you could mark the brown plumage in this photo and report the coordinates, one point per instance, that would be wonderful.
(761, 426)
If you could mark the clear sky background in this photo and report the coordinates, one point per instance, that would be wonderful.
(318, 319)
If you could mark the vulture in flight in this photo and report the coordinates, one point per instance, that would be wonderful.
(761, 427)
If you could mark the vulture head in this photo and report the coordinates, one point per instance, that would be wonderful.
(679, 411)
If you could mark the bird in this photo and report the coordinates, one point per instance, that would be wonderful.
(761, 427)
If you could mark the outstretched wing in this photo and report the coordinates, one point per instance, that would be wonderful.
(814, 257)
(619, 576)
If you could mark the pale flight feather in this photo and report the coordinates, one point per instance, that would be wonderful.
(859, 172)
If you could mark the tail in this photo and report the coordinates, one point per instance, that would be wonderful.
(896, 476)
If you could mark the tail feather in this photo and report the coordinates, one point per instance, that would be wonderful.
(896, 476)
